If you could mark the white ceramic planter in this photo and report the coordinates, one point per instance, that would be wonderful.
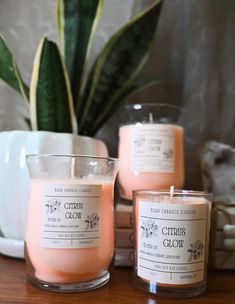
(14, 145)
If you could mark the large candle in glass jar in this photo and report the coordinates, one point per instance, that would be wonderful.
(150, 149)
(69, 238)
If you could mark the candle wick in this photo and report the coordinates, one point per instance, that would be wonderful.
(72, 168)
(150, 117)
(171, 192)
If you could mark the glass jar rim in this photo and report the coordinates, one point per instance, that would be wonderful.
(138, 106)
(82, 156)
(176, 193)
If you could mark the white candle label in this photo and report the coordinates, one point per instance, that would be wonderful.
(153, 148)
(71, 216)
(171, 242)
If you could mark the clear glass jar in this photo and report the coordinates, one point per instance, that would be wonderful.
(171, 242)
(150, 149)
(69, 239)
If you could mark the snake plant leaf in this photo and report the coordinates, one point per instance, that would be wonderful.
(9, 71)
(51, 105)
(118, 65)
(136, 86)
(77, 21)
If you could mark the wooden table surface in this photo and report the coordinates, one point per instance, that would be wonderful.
(15, 289)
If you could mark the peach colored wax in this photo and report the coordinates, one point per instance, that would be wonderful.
(153, 176)
(174, 232)
(68, 265)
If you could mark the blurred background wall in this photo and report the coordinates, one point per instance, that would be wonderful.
(194, 53)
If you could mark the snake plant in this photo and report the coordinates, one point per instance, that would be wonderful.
(62, 96)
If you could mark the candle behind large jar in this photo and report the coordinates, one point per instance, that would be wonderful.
(69, 239)
(151, 148)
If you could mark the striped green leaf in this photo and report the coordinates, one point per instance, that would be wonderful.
(111, 108)
(9, 72)
(51, 106)
(77, 21)
(118, 65)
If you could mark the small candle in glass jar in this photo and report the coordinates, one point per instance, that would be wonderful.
(171, 242)
(150, 149)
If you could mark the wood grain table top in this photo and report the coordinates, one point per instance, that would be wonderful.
(15, 289)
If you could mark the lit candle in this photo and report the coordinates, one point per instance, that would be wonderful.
(171, 241)
(69, 238)
(151, 150)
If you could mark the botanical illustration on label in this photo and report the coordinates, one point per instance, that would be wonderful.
(153, 148)
(171, 242)
(71, 216)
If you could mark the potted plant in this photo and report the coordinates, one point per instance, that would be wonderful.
(63, 98)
